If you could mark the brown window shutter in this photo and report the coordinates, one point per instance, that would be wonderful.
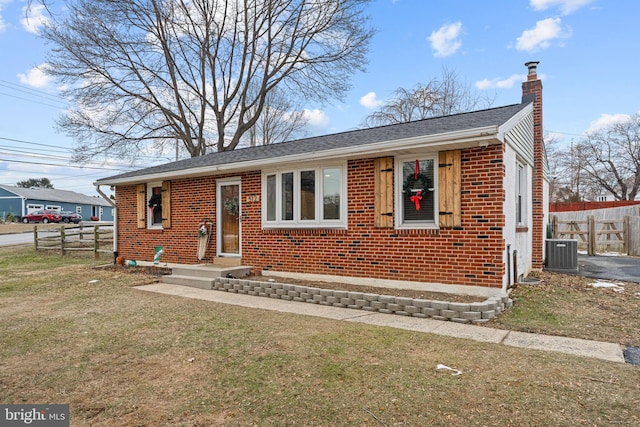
(449, 188)
(141, 204)
(383, 189)
(166, 204)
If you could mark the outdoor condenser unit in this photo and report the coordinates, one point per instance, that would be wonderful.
(562, 255)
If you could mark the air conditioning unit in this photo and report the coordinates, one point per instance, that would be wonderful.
(562, 255)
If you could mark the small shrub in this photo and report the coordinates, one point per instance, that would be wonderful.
(10, 217)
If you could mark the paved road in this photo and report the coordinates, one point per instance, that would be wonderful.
(622, 268)
(21, 238)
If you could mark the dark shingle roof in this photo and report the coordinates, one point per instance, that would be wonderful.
(361, 137)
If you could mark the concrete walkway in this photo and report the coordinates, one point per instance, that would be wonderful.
(577, 347)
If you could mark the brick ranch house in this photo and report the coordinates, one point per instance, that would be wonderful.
(449, 203)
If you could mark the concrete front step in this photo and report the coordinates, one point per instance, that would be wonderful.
(203, 275)
(211, 271)
(194, 282)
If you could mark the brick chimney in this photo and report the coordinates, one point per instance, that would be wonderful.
(532, 89)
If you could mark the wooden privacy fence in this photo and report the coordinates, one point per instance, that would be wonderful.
(600, 235)
(97, 238)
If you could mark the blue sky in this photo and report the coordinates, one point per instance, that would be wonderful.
(586, 48)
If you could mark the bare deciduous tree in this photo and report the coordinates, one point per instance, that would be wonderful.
(554, 162)
(145, 73)
(440, 97)
(564, 172)
(609, 159)
(281, 120)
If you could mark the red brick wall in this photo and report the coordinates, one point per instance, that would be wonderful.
(534, 86)
(192, 202)
(471, 254)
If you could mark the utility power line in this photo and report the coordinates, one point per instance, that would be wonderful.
(31, 100)
(63, 166)
(28, 142)
(34, 92)
(40, 150)
(6, 151)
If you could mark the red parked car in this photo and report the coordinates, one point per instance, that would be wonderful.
(43, 216)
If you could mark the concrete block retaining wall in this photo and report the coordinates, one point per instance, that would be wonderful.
(475, 312)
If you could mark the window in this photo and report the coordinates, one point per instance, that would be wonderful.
(521, 195)
(331, 189)
(416, 187)
(287, 196)
(271, 197)
(308, 195)
(154, 205)
(305, 197)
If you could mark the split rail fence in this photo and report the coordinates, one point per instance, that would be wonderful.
(598, 232)
(97, 238)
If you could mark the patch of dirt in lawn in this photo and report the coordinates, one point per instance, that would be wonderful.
(406, 293)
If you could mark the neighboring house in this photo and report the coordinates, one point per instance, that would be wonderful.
(454, 200)
(604, 198)
(609, 198)
(21, 201)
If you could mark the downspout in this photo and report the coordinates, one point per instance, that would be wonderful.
(115, 221)
(509, 282)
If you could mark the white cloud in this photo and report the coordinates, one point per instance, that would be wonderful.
(499, 83)
(541, 36)
(35, 77)
(371, 101)
(606, 120)
(566, 6)
(35, 17)
(316, 118)
(445, 41)
(3, 25)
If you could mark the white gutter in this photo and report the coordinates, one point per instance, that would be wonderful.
(115, 218)
(466, 138)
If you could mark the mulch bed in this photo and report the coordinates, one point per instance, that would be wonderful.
(407, 293)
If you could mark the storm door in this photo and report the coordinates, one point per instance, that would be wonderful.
(228, 223)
